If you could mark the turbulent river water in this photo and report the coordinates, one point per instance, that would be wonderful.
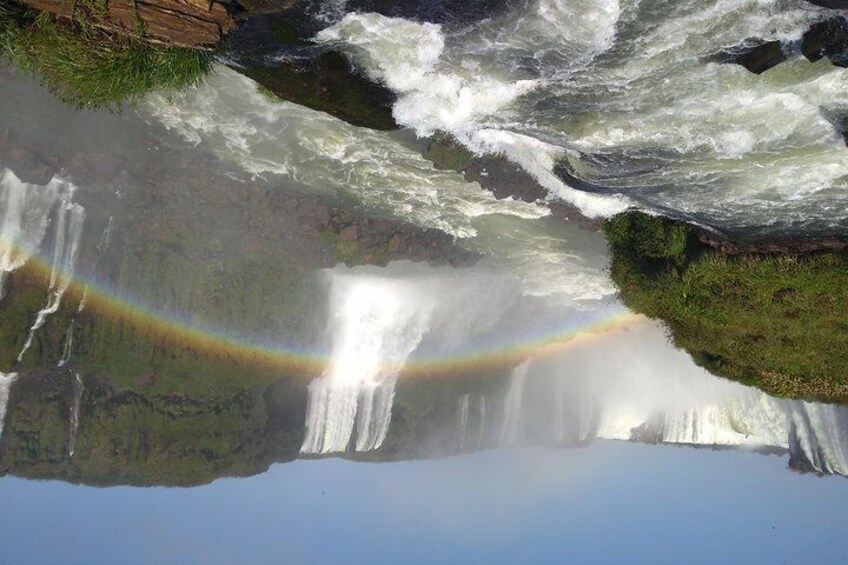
(622, 93)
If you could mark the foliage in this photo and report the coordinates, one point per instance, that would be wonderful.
(774, 321)
(85, 65)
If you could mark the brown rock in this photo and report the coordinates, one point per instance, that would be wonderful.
(182, 23)
(87, 168)
(349, 234)
(27, 165)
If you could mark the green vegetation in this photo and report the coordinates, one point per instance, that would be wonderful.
(85, 65)
(777, 322)
(141, 437)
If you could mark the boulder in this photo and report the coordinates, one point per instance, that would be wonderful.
(835, 4)
(329, 83)
(754, 54)
(827, 39)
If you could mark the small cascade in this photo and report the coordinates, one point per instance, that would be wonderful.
(472, 423)
(709, 425)
(481, 431)
(6, 380)
(24, 216)
(375, 324)
(558, 431)
(464, 402)
(75, 416)
(818, 438)
(69, 222)
(514, 400)
(69, 342)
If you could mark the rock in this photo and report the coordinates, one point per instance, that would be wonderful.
(504, 179)
(87, 168)
(793, 246)
(180, 23)
(753, 54)
(328, 83)
(827, 39)
(448, 12)
(835, 4)
(27, 165)
(349, 234)
(570, 213)
(275, 50)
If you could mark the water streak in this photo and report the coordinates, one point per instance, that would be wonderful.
(6, 380)
(73, 427)
(69, 341)
(68, 232)
(513, 404)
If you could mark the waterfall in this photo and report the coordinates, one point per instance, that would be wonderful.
(24, 216)
(68, 231)
(375, 324)
(646, 392)
(73, 428)
(818, 437)
(513, 403)
(6, 380)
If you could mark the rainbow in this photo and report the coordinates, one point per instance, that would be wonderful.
(310, 362)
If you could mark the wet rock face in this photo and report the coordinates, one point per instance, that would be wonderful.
(457, 12)
(275, 50)
(791, 247)
(182, 23)
(827, 39)
(375, 241)
(27, 164)
(502, 178)
(835, 4)
(754, 55)
(328, 83)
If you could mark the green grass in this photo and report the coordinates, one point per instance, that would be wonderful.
(86, 66)
(777, 322)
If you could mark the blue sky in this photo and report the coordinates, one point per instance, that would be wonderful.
(609, 503)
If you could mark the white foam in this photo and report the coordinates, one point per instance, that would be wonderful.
(321, 153)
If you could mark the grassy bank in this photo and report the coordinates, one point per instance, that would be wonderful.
(84, 65)
(777, 322)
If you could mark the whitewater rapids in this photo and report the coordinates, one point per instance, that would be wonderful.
(626, 92)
